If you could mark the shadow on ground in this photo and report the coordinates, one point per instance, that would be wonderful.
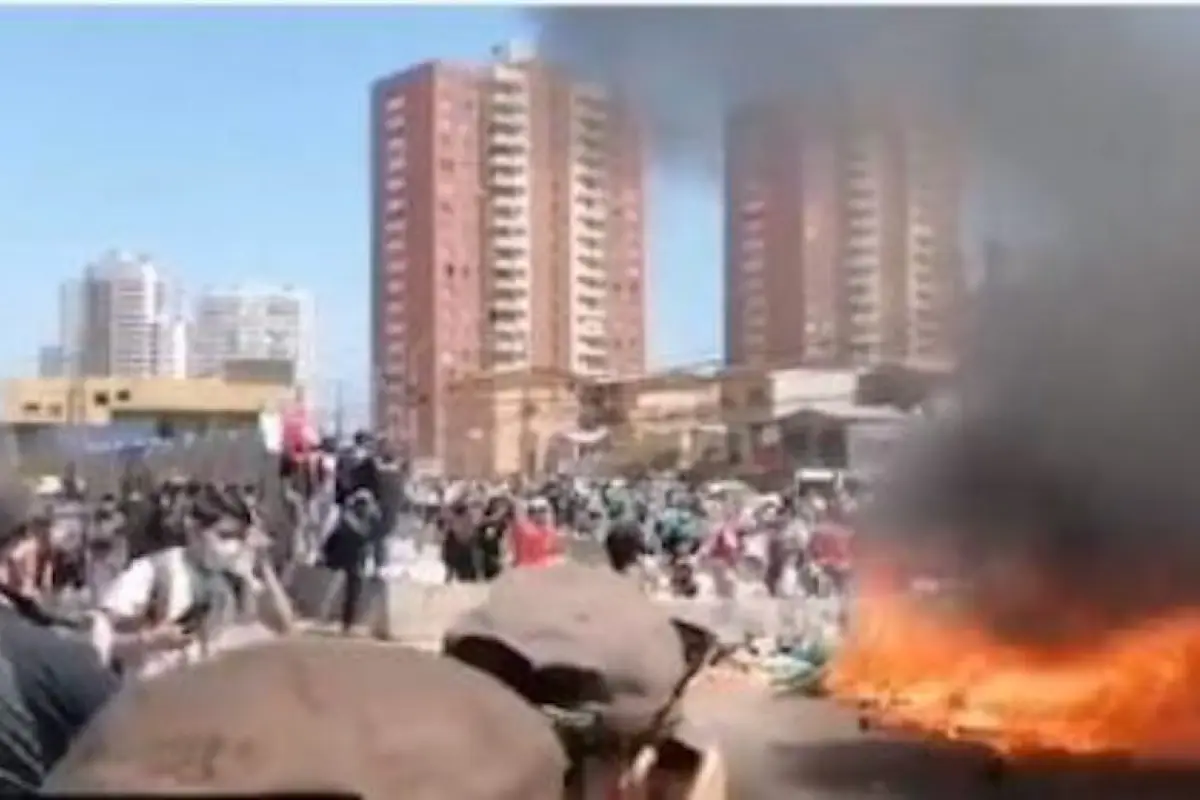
(912, 770)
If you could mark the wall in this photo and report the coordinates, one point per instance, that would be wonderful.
(97, 401)
(501, 424)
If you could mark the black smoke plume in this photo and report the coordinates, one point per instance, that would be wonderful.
(1068, 490)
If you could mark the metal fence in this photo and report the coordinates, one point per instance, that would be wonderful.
(101, 458)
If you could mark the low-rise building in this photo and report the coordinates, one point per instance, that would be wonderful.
(165, 404)
(505, 423)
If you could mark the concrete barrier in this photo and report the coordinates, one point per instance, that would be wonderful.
(418, 612)
(396, 608)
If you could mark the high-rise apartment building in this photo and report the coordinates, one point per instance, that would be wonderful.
(842, 237)
(121, 321)
(507, 234)
(70, 326)
(52, 362)
(247, 323)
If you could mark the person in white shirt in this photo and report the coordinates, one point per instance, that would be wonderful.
(170, 607)
(142, 608)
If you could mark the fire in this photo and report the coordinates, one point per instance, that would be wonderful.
(1135, 693)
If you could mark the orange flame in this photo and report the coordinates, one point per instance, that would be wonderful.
(1135, 693)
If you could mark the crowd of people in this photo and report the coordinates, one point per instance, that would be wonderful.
(170, 570)
(672, 537)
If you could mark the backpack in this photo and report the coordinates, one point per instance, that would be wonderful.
(209, 596)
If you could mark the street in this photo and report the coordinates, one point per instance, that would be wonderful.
(803, 749)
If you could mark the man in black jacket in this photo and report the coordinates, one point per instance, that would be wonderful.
(357, 469)
(392, 501)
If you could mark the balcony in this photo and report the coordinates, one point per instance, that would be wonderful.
(591, 330)
(509, 349)
(510, 275)
(590, 113)
(514, 243)
(506, 163)
(862, 204)
(508, 306)
(508, 100)
(592, 211)
(511, 206)
(504, 140)
(592, 159)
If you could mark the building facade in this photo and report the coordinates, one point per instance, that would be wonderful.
(184, 403)
(245, 323)
(507, 234)
(52, 361)
(843, 237)
(121, 320)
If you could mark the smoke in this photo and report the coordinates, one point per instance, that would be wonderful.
(1069, 490)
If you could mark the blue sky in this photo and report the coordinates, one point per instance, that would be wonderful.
(232, 145)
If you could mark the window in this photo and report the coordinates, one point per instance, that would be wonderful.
(449, 270)
(31, 408)
(122, 395)
(446, 165)
(100, 398)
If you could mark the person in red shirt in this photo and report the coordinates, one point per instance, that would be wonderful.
(831, 548)
(535, 540)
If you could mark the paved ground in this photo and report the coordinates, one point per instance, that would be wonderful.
(799, 749)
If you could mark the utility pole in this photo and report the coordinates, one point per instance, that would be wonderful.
(339, 412)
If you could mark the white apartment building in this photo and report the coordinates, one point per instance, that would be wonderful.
(253, 323)
(113, 320)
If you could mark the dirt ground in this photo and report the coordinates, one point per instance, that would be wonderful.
(801, 749)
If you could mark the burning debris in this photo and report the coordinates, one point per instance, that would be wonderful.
(1132, 693)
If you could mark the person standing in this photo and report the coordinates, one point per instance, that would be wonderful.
(536, 542)
(492, 531)
(357, 470)
(345, 551)
(460, 554)
(390, 484)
